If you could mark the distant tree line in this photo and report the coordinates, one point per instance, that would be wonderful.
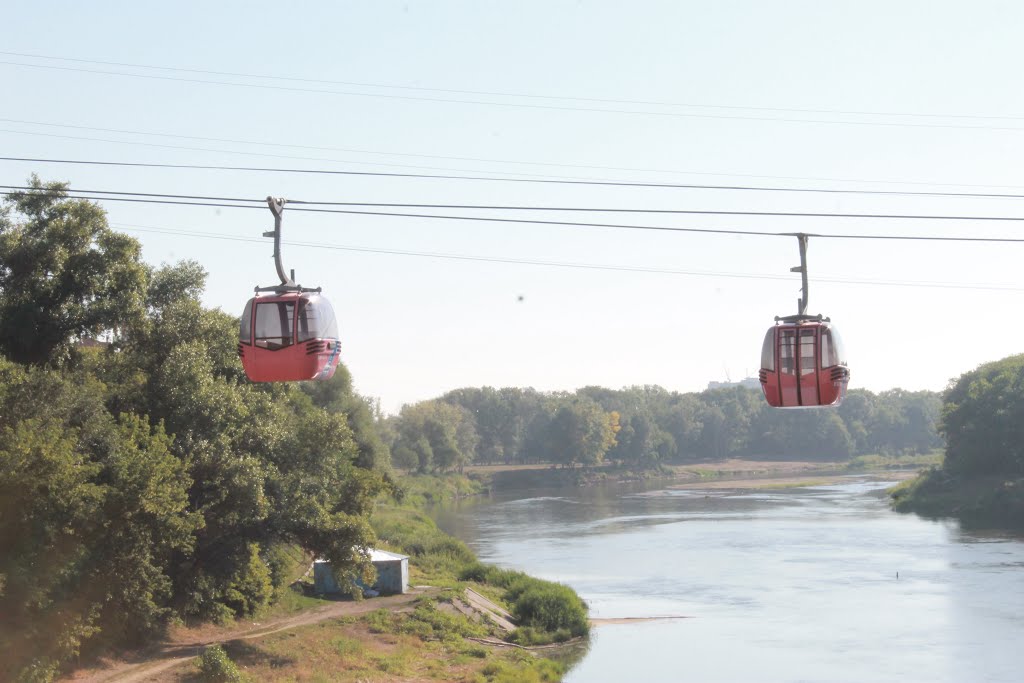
(144, 478)
(642, 427)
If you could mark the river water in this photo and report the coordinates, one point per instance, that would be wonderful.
(811, 584)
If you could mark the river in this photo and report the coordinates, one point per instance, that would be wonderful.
(821, 583)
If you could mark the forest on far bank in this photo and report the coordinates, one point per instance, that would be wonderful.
(645, 426)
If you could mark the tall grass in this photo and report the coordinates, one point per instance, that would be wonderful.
(419, 490)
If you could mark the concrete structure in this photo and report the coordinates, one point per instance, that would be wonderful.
(392, 574)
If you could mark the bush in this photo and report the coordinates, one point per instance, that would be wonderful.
(551, 607)
(533, 671)
(215, 666)
(493, 576)
(546, 611)
(527, 635)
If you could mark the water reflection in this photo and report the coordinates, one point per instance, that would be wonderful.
(816, 584)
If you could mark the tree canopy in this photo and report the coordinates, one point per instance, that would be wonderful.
(641, 427)
(145, 477)
(983, 420)
(64, 274)
(981, 481)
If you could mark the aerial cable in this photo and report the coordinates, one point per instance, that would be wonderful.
(557, 209)
(348, 150)
(138, 143)
(561, 264)
(577, 224)
(600, 183)
(28, 188)
(517, 105)
(490, 93)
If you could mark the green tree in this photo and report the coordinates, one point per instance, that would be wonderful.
(64, 274)
(91, 511)
(150, 478)
(442, 436)
(337, 396)
(581, 433)
(983, 420)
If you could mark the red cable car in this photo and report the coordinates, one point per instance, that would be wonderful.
(803, 364)
(289, 334)
(288, 337)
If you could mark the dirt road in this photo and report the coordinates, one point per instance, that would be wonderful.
(148, 663)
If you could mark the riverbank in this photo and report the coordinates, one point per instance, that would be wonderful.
(462, 621)
(721, 472)
(817, 563)
(994, 502)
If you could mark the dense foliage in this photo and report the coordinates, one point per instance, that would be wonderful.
(981, 480)
(143, 478)
(642, 427)
(983, 420)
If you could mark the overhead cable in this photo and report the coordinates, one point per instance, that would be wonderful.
(561, 264)
(517, 105)
(600, 183)
(560, 209)
(493, 93)
(575, 224)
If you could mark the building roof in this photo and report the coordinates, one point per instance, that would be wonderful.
(378, 556)
(384, 555)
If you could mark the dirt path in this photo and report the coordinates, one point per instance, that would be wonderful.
(143, 665)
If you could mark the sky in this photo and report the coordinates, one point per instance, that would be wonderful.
(903, 98)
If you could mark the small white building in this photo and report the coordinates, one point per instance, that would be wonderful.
(392, 573)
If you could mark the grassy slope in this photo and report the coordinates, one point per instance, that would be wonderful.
(431, 642)
(383, 646)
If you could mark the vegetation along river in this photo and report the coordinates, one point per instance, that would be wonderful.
(823, 583)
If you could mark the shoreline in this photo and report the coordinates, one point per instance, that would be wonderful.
(716, 474)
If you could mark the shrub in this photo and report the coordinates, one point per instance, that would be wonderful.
(215, 666)
(493, 576)
(551, 607)
(535, 671)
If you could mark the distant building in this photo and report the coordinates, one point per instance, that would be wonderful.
(392, 574)
(748, 383)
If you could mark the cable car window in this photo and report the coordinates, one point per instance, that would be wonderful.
(768, 351)
(808, 357)
(316, 320)
(274, 324)
(245, 324)
(838, 349)
(831, 348)
(787, 352)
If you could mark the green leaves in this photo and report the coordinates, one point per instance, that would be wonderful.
(983, 420)
(64, 275)
(149, 478)
(436, 435)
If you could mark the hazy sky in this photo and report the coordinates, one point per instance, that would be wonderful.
(901, 97)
